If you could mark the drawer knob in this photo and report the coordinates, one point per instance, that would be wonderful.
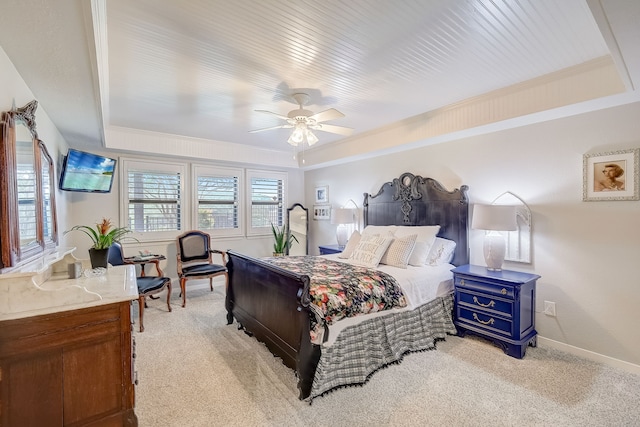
(488, 322)
(491, 303)
(503, 291)
(462, 282)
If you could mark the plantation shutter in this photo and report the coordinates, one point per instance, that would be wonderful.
(218, 203)
(267, 202)
(154, 200)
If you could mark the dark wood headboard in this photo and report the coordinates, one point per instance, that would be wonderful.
(414, 200)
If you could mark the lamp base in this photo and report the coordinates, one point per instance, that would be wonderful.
(494, 250)
(342, 235)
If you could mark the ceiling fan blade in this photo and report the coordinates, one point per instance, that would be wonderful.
(341, 130)
(325, 115)
(273, 114)
(287, 126)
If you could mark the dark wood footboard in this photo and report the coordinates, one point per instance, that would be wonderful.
(272, 304)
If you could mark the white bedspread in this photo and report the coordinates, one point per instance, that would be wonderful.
(419, 284)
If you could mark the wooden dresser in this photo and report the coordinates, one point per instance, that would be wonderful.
(66, 347)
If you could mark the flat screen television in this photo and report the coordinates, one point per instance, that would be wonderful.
(82, 171)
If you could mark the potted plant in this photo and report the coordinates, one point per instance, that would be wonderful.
(103, 236)
(283, 239)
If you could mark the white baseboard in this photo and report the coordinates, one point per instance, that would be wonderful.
(589, 355)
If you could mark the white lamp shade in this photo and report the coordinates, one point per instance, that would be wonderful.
(342, 216)
(494, 217)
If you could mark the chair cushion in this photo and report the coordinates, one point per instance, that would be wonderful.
(150, 284)
(202, 270)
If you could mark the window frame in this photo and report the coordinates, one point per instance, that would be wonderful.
(267, 174)
(199, 170)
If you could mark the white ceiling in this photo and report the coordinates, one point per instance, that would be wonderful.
(200, 68)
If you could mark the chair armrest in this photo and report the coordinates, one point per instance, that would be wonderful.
(223, 254)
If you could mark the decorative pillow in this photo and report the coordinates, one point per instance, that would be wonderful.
(378, 229)
(399, 251)
(426, 237)
(370, 250)
(352, 244)
(441, 252)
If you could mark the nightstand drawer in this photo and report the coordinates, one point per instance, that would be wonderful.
(494, 288)
(485, 321)
(489, 303)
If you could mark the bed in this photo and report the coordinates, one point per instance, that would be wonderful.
(274, 304)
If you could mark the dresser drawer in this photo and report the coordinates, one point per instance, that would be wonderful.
(485, 321)
(489, 303)
(505, 291)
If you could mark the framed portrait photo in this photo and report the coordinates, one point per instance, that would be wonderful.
(322, 194)
(321, 212)
(611, 176)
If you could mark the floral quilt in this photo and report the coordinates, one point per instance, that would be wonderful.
(340, 290)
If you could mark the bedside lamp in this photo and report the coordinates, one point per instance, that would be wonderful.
(342, 217)
(493, 219)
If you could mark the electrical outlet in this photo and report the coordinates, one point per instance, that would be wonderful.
(550, 308)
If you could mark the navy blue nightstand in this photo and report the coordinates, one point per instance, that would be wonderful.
(497, 305)
(330, 249)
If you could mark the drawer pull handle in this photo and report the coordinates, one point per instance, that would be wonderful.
(492, 303)
(503, 291)
(488, 322)
(462, 282)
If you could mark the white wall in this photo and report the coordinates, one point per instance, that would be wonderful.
(14, 93)
(586, 252)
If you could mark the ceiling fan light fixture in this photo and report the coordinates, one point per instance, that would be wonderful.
(297, 136)
(311, 138)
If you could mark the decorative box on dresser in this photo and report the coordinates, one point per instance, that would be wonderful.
(330, 249)
(497, 305)
(66, 346)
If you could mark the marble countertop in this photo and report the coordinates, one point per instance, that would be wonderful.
(49, 289)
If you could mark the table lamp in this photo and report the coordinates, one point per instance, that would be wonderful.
(342, 217)
(493, 219)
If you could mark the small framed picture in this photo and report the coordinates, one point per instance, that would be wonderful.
(322, 194)
(321, 212)
(611, 176)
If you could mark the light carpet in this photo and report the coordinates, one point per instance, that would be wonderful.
(194, 370)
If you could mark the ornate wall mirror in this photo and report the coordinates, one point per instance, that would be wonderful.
(298, 223)
(518, 241)
(27, 184)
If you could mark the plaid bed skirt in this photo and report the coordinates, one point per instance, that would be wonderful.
(361, 350)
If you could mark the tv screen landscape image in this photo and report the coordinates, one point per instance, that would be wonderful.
(82, 171)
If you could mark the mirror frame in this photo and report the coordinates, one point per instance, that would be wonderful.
(289, 210)
(12, 254)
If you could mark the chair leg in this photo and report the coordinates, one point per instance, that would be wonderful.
(141, 304)
(169, 295)
(183, 283)
(211, 283)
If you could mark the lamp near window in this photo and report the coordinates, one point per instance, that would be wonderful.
(342, 217)
(493, 219)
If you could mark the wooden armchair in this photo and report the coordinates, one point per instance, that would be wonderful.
(195, 260)
(147, 285)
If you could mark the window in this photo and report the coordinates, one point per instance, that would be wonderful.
(266, 200)
(217, 194)
(154, 197)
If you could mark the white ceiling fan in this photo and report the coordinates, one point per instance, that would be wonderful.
(304, 121)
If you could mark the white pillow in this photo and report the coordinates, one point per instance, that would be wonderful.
(352, 244)
(420, 254)
(399, 251)
(370, 250)
(426, 236)
(441, 252)
(378, 229)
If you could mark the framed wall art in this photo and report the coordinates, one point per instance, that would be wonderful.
(322, 194)
(321, 212)
(611, 176)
